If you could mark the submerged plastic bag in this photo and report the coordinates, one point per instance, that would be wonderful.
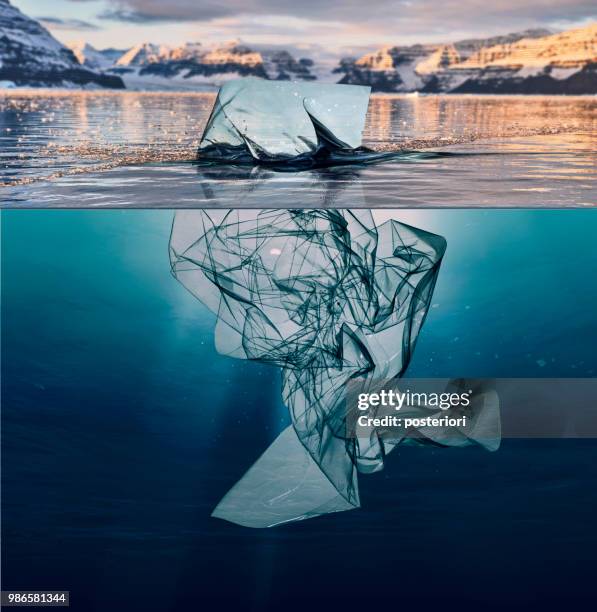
(328, 296)
(255, 120)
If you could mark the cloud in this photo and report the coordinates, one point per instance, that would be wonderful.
(152, 11)
(55, 23)
(422, 15)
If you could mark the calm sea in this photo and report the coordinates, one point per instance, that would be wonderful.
(97, 149)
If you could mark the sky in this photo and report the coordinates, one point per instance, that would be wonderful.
(331, 27)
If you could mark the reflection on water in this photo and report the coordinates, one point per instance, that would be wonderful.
(133, 149)
(464, 118)
(46, 134)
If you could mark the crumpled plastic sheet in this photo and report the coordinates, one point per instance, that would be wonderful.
(287, 123)
(327, 296)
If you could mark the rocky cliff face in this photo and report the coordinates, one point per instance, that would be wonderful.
(534, 62)
(389, 69)
(190, 60)
(530, 62)
(469, 46)
(556, 64)
(30, 55)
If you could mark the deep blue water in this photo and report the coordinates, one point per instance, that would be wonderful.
(122, 428)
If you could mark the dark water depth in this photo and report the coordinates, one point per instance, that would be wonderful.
(122, 428)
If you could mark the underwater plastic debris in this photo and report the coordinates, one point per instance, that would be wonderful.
(287, 123)
(328, 296)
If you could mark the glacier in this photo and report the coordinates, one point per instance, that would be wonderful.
(328, 296)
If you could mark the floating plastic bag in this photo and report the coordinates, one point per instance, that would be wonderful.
(255, 120)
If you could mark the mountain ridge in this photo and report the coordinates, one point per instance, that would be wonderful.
(31, 56)
(529, 62)
(210, 64)
(534, 61)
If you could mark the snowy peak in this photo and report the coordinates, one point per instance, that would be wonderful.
(570, 49)
(141, 54)
(18, 30)
(189, 51)
(444, 57)
(378, 60)
(193, 64)
(389, 69)
(534, 61)
(467, 47)
(232, 53)
(149, 53)
(88, 56)
(30, 55)
(392, 57)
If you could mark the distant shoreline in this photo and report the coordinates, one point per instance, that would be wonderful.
(4, 91)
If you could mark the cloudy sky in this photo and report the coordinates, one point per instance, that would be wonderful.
(339, 26)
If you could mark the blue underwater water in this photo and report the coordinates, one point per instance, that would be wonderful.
(122, 428)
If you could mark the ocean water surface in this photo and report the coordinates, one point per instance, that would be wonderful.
(122, 428)
(98, 149)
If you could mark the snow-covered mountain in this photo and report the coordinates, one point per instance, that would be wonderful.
(389, 69)
(559, 63)
(191, 65)
(89, 56)
(533, 61)
(469, 46)
(142, 54)
(30, 55)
